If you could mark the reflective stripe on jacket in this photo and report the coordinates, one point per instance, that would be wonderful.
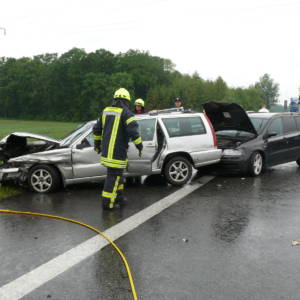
(114, 129)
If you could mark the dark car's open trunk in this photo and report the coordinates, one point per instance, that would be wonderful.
(231, 142)
(231, 124)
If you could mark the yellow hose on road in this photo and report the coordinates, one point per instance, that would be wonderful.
(134, 295)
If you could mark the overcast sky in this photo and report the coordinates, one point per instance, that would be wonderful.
(239, 40)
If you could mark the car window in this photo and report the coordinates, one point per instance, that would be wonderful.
(298, 122)
(184, 126)
(74, 135)
(90, 139)
(276, 126)
(259, 123)
(147, 129)
(289, 124)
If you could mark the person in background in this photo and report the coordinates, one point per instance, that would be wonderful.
(264, 108)
(178, 103)
(139, 106)
(114, 129)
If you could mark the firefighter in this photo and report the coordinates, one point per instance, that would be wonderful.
(139, 106)
(112, 133)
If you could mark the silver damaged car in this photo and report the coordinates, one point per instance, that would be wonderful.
(174, 142)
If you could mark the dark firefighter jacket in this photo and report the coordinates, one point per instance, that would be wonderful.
(115, 128)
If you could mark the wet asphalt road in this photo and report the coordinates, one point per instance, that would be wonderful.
(230, 239)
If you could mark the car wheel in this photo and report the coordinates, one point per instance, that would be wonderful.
(44, 179)
(204, 170)
(136, 180)
(256, 163)
(178, 171)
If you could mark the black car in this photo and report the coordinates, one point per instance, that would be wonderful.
(254, 141)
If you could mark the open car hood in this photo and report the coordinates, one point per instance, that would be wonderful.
(20, 143)
(30, 135)
(228, 116)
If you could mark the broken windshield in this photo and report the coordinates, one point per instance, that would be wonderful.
(74, 135)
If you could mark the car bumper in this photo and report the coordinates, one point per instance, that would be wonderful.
(7, 174)
(207, 157)
(232, 165)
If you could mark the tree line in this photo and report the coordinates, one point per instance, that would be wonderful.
(77, 85)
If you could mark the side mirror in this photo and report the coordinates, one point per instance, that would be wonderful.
(80, 146)
(84, 144)
(270, 134)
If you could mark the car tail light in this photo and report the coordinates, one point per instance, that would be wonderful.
(212, 130)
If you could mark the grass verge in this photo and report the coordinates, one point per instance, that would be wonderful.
(8, 191)
(51, 129)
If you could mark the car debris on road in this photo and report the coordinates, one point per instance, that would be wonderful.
(295, 242)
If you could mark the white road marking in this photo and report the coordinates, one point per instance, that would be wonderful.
(44, 273)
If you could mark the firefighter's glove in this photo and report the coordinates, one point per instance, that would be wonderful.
(97, 147)
(98, 150)
(140, 148)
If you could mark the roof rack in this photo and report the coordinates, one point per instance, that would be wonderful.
(170, 111)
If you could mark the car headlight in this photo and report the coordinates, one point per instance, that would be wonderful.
(232, 152)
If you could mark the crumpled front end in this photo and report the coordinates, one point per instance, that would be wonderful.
(9, 174)
(17, 169)
(14, 172)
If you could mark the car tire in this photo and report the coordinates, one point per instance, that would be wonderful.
(136, 180)
(256, 164)
(298, 162)
(44, 179)
(204, 170)
(178, 171)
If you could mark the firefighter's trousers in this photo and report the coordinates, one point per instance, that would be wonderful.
(112, 194)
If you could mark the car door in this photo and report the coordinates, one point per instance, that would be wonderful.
(85, 161)
(143, 165)
(190, 134)
(297, 119)
(275, 146)
(292, 137)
